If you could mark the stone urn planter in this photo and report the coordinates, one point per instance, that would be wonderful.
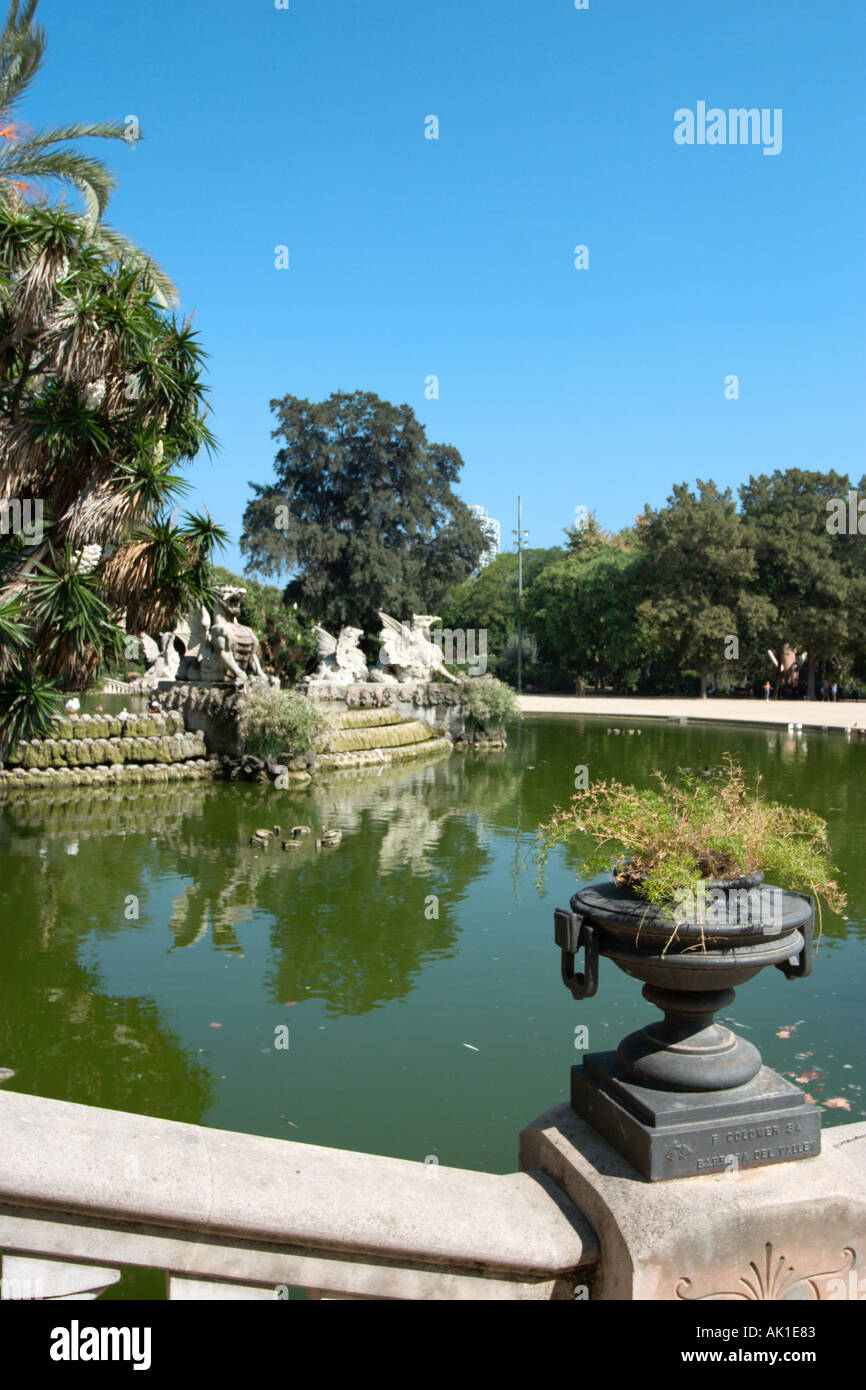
(685, 1094)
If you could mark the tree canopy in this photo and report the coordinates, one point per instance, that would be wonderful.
(362, 513)
(489, 600)
(655, 606)
(813, 578)
(583, 610)
(700, 564)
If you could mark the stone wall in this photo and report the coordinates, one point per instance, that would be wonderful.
(90, 726)
(211, 710)
(107, 775)
(105, 749)
(440, 706)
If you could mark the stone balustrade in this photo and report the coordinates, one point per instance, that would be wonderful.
(85, 1192)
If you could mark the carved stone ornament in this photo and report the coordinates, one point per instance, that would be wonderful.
(774, 1279)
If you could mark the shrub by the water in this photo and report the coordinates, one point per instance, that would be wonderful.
(489, 703)
(275, 722)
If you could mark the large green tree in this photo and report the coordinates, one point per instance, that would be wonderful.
(362, 512)
(698, 578)
(583, 608)
(814, 578)
(488, 601)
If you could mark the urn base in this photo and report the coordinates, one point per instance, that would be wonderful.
(678, 1134)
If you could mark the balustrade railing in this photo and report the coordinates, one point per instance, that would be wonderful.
(86, 1192)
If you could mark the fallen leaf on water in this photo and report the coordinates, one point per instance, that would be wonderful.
(215, 1025)
(289, 1002)
(289, 1122)
(811, 1099)
(838, 1103)
(784, 1033)
(809, 1076)
(471, 1048)
(6, 1073)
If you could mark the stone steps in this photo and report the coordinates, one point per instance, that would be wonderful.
(112, 726)
(368, 718)
(104, 750)
(394, 735)
(377, 756)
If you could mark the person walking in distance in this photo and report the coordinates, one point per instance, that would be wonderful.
(768, 690)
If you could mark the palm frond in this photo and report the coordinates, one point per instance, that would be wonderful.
(89, 175)
(22, 48)
(77, 130)
(29, 704)
(122, 249)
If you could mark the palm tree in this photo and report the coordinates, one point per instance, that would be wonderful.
(35, 157)
(101, 400)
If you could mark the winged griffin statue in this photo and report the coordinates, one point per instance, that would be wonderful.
(340, 660)
(409, 651)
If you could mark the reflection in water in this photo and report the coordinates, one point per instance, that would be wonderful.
(137, 920)
(69, 1039)
(407, 834)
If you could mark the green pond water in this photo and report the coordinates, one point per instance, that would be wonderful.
(409, 1035)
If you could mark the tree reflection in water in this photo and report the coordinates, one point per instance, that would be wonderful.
(353, 925)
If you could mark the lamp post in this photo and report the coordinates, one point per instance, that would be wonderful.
(520, 534)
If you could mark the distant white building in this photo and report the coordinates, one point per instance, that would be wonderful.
(493, 532)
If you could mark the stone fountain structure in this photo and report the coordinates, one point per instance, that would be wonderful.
(406, 704)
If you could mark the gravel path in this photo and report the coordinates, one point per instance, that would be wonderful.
(815, 714)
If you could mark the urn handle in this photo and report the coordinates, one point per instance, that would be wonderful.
(796, 967)
(571, 932)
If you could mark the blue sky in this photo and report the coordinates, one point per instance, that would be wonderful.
(409, 257)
